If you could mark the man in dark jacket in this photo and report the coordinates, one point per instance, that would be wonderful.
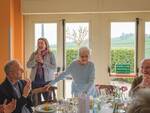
(15, 88)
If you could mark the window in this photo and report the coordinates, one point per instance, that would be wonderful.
(147, 39)
(77, 35)
(123, 47)
(123, 52)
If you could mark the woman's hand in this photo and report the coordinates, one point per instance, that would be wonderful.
(39, 58)
(82, 62)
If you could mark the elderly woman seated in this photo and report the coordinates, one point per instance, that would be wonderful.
(140, 90)
(82, 72)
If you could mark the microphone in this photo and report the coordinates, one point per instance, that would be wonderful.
(58, 69)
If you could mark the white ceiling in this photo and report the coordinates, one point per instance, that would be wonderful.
(84, 6)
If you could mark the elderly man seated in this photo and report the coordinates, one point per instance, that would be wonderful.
(15, 88)
(140, 90)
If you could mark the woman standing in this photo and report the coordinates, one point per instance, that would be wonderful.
(42, 63)
(82, 72)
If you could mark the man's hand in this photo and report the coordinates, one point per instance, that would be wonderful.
(1, 109)
(27, 88)
(10, 107)
(41, 89)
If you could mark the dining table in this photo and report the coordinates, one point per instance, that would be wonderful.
(107, 104)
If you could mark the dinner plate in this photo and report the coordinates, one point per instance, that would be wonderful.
(45, 108)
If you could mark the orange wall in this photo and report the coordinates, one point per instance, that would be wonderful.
(4, 34)
(10, 18)
(17, 23)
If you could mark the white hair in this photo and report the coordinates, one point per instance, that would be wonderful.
(84, 50)
(145, 59)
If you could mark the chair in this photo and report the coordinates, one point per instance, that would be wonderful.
(51, 96)
(109, 89)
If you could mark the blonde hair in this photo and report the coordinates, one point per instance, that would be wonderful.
(46, 43)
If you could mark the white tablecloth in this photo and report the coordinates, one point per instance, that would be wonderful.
(104, 109)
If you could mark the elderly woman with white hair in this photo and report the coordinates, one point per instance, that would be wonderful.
(82, 72)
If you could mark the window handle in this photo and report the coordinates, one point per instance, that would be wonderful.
(109, 70)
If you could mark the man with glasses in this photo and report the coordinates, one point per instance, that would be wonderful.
(15, 88)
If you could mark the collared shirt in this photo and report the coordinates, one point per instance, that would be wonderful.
(16, 88)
